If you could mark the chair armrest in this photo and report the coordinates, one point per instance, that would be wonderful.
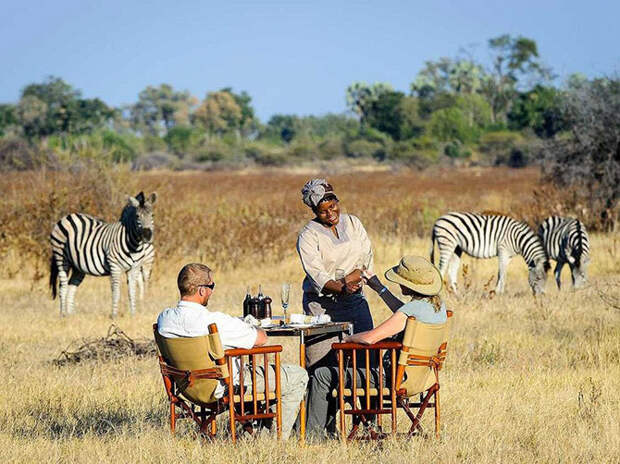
(382, 345)
(256, 350)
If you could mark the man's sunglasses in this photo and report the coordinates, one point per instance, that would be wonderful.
(211, 285)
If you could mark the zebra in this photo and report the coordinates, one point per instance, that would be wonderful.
(486, 236)
(566, 241)
(82, 244)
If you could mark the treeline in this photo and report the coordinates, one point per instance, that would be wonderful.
(455, 109)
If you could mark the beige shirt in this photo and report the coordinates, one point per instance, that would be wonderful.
(327, 257)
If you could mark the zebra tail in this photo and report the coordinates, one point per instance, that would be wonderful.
(53, 276)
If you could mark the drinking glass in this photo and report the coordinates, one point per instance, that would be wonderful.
(284, 296)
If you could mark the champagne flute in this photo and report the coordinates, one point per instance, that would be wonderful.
(284, 296)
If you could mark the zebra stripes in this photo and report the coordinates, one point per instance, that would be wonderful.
(82, 244)
(566, 241)
(487, 236)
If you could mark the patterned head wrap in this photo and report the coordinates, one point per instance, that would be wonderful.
(315, 191)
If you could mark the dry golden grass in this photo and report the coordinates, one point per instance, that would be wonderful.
(525, 380)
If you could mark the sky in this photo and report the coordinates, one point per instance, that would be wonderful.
(290, 56)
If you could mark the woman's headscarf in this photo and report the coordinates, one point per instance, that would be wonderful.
(315, 191)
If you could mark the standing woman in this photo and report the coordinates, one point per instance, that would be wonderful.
(334, 249)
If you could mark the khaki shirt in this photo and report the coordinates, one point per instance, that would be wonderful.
(327, 257)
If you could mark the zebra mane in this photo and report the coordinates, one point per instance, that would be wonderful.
(579, 248)
(129, 216)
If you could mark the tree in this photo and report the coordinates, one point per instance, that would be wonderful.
(161, 108)
(361, 96)
(32, 116)
(515, 63)
(538, 109)
(248, 123)
(282, 126)
(219, 113)
(55, 107)
(446, 76)
(396, 115)
(8, 117)
(587, 159)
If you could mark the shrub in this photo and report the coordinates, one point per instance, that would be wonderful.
(122, 147)
(364, 149)
(498, 147)
(18, 155)
(155, 160)
(456, 149)
(331, 148)
(182, 139)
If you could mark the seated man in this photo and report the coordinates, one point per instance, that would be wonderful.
(418, 279)
(191, 318)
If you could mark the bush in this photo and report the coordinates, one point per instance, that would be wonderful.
(267, 155)
(155, 160)
(456, 149)
(182, 139)
(18, 155)
(408, 152)
(449, 124)
(122, 147)
(153, 143)
(365, 149)
(498, 147)
(331, 148)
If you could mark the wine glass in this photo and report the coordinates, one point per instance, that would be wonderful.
(284, 296)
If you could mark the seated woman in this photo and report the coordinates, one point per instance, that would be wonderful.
(417, 278)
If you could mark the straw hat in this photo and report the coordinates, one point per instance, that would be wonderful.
(416, 273)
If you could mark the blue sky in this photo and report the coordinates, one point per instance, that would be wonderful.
(292, 57)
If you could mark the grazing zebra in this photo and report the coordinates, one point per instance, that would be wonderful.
(486, 236)
(84, 245)
(566, 241)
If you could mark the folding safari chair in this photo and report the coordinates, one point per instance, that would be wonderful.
(421, 357)
(192, 368)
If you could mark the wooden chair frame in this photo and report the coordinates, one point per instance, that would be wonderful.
(205, 415)
(385, 400)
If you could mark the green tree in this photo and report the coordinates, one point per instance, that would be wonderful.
(161, 108)
(219, 113)
(283, 127)
(32, 116)
(396, 115)
(248, 123)
(8, 117)
(515, 62)
(450, 124)
(55, 107)
(539, 109)
(361, 96)
(446, 75)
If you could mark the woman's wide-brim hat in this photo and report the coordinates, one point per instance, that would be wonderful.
(416, 273)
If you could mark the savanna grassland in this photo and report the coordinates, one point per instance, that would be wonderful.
(525, 381)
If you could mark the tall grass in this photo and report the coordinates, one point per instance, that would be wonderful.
(526, 380)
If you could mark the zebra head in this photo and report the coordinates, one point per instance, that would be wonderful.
(578, 269)
(537, 276)
(138, 216)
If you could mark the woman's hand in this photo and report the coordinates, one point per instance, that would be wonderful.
(353, 281)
